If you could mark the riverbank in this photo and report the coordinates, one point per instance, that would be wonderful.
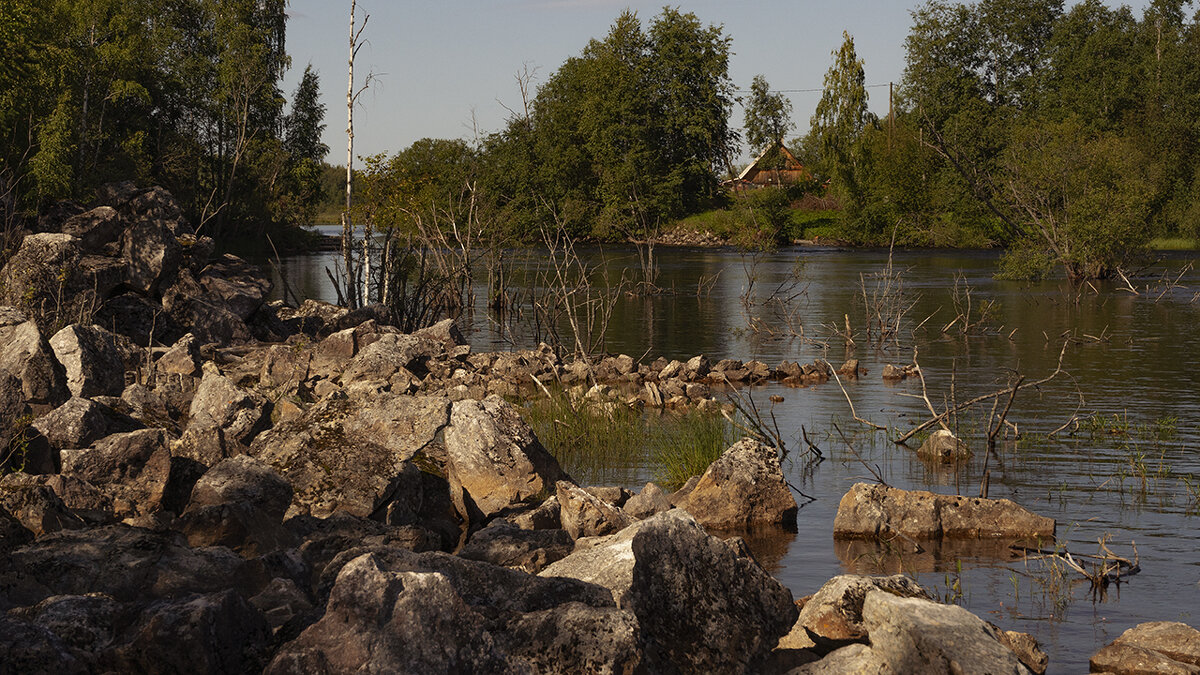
(315, 400)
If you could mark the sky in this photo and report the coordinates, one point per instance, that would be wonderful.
(447, 68)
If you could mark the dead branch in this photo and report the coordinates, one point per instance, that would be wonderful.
(848, 401)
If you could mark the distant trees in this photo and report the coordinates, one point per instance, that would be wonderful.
(185, 94)
(633, 131)
(840, 123)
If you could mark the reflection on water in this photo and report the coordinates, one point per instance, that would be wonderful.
(1129, 357)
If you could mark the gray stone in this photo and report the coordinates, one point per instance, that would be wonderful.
(1152, 647)
(832, 617)
(494, 457)
(584, 515)
(92, 362)
(83, 622)
(502, 543)
(235, 284)
(96, 228)
(874, 511)
(27, 357)
(36, 507)
(744, 487)
(220, 404)
(29, 648)
(650, 501)
(182, 359)
(243, 479)
(80, 422)
(701, 606)
(943, 446)
(133, 469)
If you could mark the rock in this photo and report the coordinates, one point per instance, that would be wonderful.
(215, 633)
(36, 507)
(130, 564)
(87, 623)
(502, 543)
(281, 602)
(235, 284)
(240, 526)
(93, 364)
(383, 621)
(182, 359)
(895, 374)
(696, 368)
(544, 516)
(29, 648)
(323, 539)
(445, 332)
(744, 487)
(80, 422)
(187, 302)
(27, 357)
(396, 360)
(12, 532)
(832, 617)
(1152, 647)
(139, 319)
(220, 404)
(151, 248)
(243, 479)
(573, 637)
(584, 515)
(913, 635)
(84, 500)
(494, 459)
(873, 511)
(51, 278)
(943, 446)
(284, 368)
(133, 469)
(849, 369)
(700, 606)
(96, 229)
(1026, 647)
(313, 317)
(650, 501)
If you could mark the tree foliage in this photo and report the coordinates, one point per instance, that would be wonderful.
(768, 115)
(184, 94)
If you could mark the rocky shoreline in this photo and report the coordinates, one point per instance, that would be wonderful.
(309, 490)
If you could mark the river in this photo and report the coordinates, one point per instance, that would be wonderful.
(1129, 470)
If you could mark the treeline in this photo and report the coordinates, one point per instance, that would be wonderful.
(185, 94)
(1068, 136)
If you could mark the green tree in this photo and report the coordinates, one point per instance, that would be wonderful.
(768, 115)
(839, 124)
(302, 129)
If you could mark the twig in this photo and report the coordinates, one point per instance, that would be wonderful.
(874, 470)
(849, 402)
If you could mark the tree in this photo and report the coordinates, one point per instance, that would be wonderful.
(302, 129)
(840, 121)
(768, 116)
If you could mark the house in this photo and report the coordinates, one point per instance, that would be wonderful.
(775, 166)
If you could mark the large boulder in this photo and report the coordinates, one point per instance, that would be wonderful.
(832, 617)
(744, 487)
(239, 503)
(503, 543)
(240, 414)
(379, 618)
(29, 648)
(93, 363)
(151, 244)
(1153, 647)
(85, 623)
(243, 479)
(235, 284)
(51, 278)
(98, 230)
(214, 633)
(494, 459)
(700, 605)
(22, 446)
(127, 563)
(878, 511)
(345, 454)
(188, 304)
(914, 635)
(34, 505)
(80, 422)
(26, 356)
(133, 469)
(395, 361)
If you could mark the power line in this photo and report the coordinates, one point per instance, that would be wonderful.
(808, 91)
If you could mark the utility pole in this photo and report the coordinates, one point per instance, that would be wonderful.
(891, 113)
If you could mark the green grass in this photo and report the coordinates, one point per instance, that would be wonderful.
(1174, 244)
(597, 441)
(810, 225)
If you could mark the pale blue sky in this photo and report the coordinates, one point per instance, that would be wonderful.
(440, 62)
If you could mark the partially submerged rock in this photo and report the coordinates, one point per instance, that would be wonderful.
(833, 618)
(869, 511)
(1153, 647)
(744, 487)
(943, 446)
